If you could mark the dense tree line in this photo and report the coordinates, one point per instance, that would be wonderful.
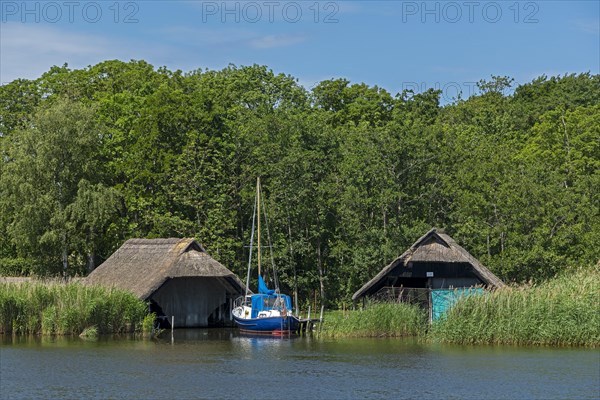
(352, 174)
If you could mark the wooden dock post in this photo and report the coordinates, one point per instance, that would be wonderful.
(321, 316)
(321, 319)
(430, 305)
(172, 327)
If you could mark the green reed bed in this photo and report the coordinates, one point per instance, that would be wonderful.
(375, 320)
(53, 308)
(563, 311)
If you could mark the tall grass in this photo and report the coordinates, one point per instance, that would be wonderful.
(375, 320)
(562, 311)
(67, 309)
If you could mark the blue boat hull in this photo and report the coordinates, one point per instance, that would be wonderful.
(268, 324)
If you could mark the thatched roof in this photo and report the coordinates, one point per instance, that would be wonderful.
(144, 265)
(434, 246)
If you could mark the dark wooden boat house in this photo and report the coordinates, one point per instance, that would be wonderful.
(176, 276)
(434, 262)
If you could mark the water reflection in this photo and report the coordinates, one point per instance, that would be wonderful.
(222, 363)
(186, 335)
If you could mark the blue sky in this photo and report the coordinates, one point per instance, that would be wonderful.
(393, 44)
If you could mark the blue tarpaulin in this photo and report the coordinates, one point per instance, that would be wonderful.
(443, 299)
(262, 287)
(265, 302)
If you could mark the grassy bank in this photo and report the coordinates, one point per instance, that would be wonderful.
(376, 320)
(562, 311)
(67, 309)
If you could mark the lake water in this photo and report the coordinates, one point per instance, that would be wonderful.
(216, 364)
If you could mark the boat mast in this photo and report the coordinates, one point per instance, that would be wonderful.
(258, 220)
(250, 255)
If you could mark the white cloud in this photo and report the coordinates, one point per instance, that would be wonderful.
(239, 37)
(208, 37)
(271, 41)
(588, 26)
(28, 50)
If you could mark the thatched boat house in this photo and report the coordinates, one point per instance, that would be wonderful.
(434, 262)
(176, 276)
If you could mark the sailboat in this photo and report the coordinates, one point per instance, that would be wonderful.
(269, 311)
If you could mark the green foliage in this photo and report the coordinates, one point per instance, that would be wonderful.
(17, 267)
(351, 174)
(89, 333)
(148, 324)
(549, 93)
(46, 189)
(18, 100)
(67, 309)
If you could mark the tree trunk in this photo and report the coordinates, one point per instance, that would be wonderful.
(65, 260)
(293, 266)
(91, 265)
(321, 274)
